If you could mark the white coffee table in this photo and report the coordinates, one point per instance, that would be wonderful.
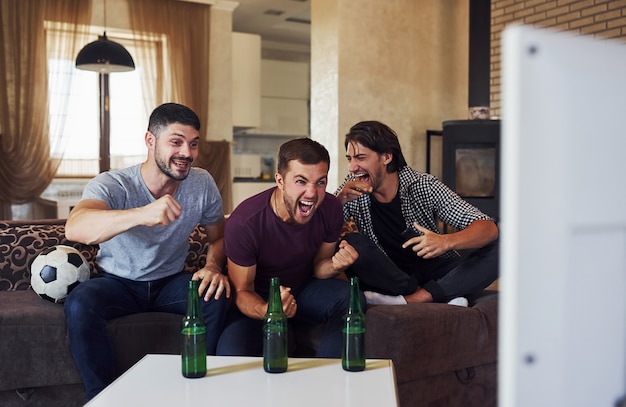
(241, 381)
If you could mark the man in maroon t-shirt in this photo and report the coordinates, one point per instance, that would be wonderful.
(289, 231)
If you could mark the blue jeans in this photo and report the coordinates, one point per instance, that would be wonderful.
(318, 301)
(94, 302)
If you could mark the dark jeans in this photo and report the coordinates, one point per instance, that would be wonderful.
(94, 302)
(450, 278)
(318, 301)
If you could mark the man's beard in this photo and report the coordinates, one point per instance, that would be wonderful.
(165, 169)
(291, 205)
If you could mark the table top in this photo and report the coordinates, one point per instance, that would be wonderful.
(156, 380)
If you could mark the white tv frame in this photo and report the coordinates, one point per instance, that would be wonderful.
(562, 332)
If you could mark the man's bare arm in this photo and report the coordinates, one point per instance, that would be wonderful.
(430, 245)
(92, 221)
(248, 301)
(329, 263)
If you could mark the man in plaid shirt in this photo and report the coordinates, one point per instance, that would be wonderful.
(403, 256)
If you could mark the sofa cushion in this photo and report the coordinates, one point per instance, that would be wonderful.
(134, 336)
(34, 340)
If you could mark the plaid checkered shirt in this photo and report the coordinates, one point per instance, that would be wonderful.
(423, 199)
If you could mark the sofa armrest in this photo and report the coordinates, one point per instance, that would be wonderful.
(429, 339)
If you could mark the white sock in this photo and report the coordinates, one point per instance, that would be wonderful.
(375, 298)
(459, 301)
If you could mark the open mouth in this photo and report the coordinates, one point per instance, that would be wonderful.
(182, 164)
(305, 207)
(362, 176)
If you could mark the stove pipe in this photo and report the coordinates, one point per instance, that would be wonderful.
(479, 58)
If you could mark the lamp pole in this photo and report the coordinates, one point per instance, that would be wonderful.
(105, 124)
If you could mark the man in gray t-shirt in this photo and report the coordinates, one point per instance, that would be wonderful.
(141, 217)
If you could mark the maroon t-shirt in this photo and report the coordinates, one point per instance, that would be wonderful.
(255, 235)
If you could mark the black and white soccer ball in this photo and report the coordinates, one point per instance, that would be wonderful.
(56, 271)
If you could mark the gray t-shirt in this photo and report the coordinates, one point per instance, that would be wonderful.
(146, 253)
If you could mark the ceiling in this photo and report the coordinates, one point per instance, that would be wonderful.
(284, 21)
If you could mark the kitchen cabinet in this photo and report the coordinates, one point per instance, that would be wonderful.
(283, 117)
(246, 86)
(285, 90)
(285, 79)
(243, 189)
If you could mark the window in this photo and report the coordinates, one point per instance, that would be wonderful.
(80, 141)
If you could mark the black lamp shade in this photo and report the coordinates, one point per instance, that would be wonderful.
(104, 56)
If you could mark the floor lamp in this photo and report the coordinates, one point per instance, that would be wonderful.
(104, 56)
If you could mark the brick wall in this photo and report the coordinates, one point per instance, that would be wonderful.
(598, 18)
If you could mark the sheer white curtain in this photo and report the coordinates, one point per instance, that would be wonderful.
(64, 83)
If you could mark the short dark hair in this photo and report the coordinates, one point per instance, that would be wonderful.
(169, 113)
(380, 138)
(302, 149)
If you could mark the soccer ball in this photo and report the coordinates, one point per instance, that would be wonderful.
(56, 271)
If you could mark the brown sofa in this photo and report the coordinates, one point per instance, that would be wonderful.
(443, 355)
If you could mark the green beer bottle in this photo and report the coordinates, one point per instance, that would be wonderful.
(275, 332)
(353, 353)
(193, 342)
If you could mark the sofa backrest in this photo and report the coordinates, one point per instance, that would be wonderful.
(21, 241)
